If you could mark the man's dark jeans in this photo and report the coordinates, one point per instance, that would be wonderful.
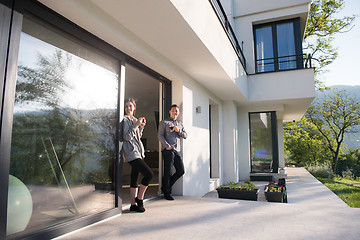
(171, 157)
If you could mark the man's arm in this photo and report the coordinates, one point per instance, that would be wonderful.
(182, 133)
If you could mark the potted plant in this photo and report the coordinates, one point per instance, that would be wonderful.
(282, 171)
(242, 191)
(102, 181)
(275, 192)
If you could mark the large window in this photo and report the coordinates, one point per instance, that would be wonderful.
(63, 146)
(264, 146)
(62, 104)
(278, 46)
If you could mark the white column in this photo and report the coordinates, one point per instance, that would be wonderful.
(281, 143)
(230, 166)
(244, 145)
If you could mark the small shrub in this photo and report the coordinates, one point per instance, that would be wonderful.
(238, 186)
(322, 171)
(348, 174)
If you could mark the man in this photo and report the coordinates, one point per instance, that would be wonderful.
(170, 132)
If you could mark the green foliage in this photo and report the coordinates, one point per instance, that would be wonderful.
(349, 194)
(56, 139)
(273, 187)
(46, 83)
(323, 24)
(333, 117)
(319, 136)
(349, 164)
(304, 144)
(247, 185)
(320, 170)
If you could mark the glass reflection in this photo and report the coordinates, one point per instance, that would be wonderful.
(264, 49)
(64, 125)
(286, 46)
(261, 142)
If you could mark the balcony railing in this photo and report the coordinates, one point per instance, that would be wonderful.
(290, 62)
(220, 12)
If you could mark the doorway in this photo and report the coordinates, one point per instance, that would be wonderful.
(214, 138)
(145, 90)
(263, 142)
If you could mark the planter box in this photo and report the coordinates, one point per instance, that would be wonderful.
(276, 196)
(282, 182)
(107, 186)
(261, 177)
(238, 194)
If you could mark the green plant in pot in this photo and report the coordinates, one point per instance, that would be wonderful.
(275, 192)
(236, 190)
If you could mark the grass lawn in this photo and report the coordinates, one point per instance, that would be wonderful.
(349, 194)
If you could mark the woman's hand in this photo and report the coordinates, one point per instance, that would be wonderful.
(140, 122)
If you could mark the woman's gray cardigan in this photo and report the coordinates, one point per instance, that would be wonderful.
(132, 145)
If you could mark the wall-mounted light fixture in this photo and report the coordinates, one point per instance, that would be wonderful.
(198, 109)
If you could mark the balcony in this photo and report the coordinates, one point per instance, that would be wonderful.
(218, 8)
(283, 63)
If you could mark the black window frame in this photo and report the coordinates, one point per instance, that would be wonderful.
(274, 139)
(297, 39)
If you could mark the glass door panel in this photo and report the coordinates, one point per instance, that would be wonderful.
(264, 49)
(286, 46)
(147, 98)
(64, 125)
(261, 142)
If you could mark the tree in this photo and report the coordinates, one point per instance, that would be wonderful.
(53, 138)
(303, 139)
(350, 163)
(333, 117)
(321, 28)
(304, 144)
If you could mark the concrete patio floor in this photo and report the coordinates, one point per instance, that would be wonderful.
(312, 212)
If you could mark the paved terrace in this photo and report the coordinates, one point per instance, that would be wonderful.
(312, 212)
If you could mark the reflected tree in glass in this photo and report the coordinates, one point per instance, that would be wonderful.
(50, 133)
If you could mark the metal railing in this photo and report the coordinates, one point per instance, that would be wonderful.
(220, 12)
(283, 63)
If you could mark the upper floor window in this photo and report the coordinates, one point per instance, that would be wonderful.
(278, 46)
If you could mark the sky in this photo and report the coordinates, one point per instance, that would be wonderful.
(345, 69)
(82, 76)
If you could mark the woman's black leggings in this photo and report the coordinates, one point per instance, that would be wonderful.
(139, 166)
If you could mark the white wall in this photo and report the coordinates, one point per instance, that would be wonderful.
(228, 8)
(282, 85)
(246, 7)
(196, 148)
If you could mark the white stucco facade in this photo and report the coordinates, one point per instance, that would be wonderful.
(184, 41)
(236, 69)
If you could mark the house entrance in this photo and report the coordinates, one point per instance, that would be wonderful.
(64, 131)
(264, 145)
(214, 140)
(145, 90)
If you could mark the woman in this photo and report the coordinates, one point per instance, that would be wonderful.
(134, 154)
